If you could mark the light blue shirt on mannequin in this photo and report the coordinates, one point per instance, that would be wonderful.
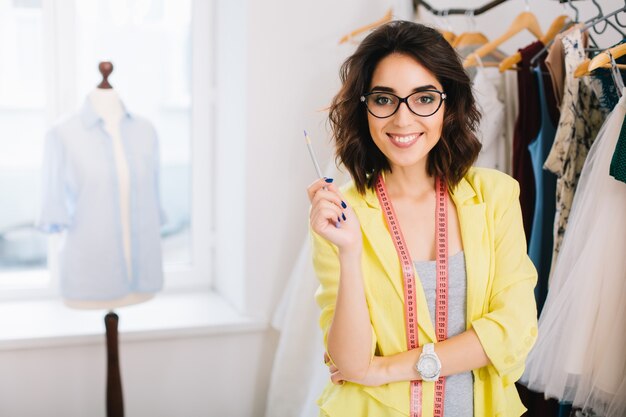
(81, 198)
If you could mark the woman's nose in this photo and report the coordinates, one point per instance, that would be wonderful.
(403, 115)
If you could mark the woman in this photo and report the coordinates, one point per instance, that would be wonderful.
(404, 122)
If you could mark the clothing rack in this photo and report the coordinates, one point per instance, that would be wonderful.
(445, 12)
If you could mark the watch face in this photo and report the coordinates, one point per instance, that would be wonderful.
(428, 366)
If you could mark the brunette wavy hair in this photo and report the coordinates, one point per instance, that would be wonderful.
(458, 147)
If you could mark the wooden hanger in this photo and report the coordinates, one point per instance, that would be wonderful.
(476, 39)
(525, 20)
(555, 27)
(386, 18)
(603, 59)
(470, 39)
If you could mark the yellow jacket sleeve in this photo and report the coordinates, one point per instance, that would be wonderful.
(508, 330)
(326, 266)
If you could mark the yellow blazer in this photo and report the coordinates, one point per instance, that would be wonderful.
(500, 300)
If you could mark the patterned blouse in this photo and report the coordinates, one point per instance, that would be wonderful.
(580, 121)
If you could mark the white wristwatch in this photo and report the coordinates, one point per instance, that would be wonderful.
(428, 365)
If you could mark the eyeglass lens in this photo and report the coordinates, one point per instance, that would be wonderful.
(422, 103)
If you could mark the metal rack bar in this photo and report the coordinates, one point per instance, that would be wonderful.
(475, 12)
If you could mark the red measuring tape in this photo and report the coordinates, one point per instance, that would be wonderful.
(410, 302)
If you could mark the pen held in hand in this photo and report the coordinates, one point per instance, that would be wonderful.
(318, 170)
(313, 158)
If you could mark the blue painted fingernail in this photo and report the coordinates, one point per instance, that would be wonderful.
(337, 225)
(343, 204)
(338, 219)
(343, 216)
(328, 180)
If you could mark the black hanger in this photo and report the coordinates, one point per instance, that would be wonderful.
(476, 12)
(601, 17)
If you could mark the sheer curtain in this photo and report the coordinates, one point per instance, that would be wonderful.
(299, 373)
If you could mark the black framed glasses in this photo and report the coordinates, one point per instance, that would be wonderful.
(423, 103)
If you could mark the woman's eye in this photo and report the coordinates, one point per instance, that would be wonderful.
(383, 100)
(425, 99)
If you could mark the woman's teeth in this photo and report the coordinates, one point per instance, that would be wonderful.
(405, 139)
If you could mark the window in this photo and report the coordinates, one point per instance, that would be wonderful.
(149, 43)
(50, 52)
(22, 125)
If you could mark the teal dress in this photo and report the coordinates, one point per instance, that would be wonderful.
(540, 244)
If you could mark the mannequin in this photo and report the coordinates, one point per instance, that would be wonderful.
(101, 189)
(108, 106)
(114, 138)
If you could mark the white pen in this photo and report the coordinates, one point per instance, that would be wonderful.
(319, 172)
(313, 158)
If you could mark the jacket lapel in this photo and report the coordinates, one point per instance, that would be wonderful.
(475, 238)
(374, 227)
(377, 236)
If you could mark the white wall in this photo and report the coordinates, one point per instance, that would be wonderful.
(221, 376)
(292, 66)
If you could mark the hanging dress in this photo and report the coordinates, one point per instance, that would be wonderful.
(540, 243)
(580, 355)
(539, 240)
(555, 63)
(490, 131)
(580, 121)
(526, 129)
(603, 83)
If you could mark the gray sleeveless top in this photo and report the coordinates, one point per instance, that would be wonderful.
(459, 397)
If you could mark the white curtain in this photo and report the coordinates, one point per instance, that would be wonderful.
(299, 373)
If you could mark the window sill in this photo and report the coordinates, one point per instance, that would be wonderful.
(46, 323)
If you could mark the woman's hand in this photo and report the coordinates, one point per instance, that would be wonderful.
(374, 378)
(332, 218)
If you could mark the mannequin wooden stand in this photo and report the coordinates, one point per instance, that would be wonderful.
(115, 400)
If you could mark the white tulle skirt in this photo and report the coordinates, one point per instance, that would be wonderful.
(580, 354)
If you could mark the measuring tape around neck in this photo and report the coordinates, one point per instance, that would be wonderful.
(410, 302)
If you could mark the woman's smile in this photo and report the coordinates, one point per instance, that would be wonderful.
(404, 140)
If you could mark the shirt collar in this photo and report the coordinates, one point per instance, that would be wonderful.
(89, 116)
